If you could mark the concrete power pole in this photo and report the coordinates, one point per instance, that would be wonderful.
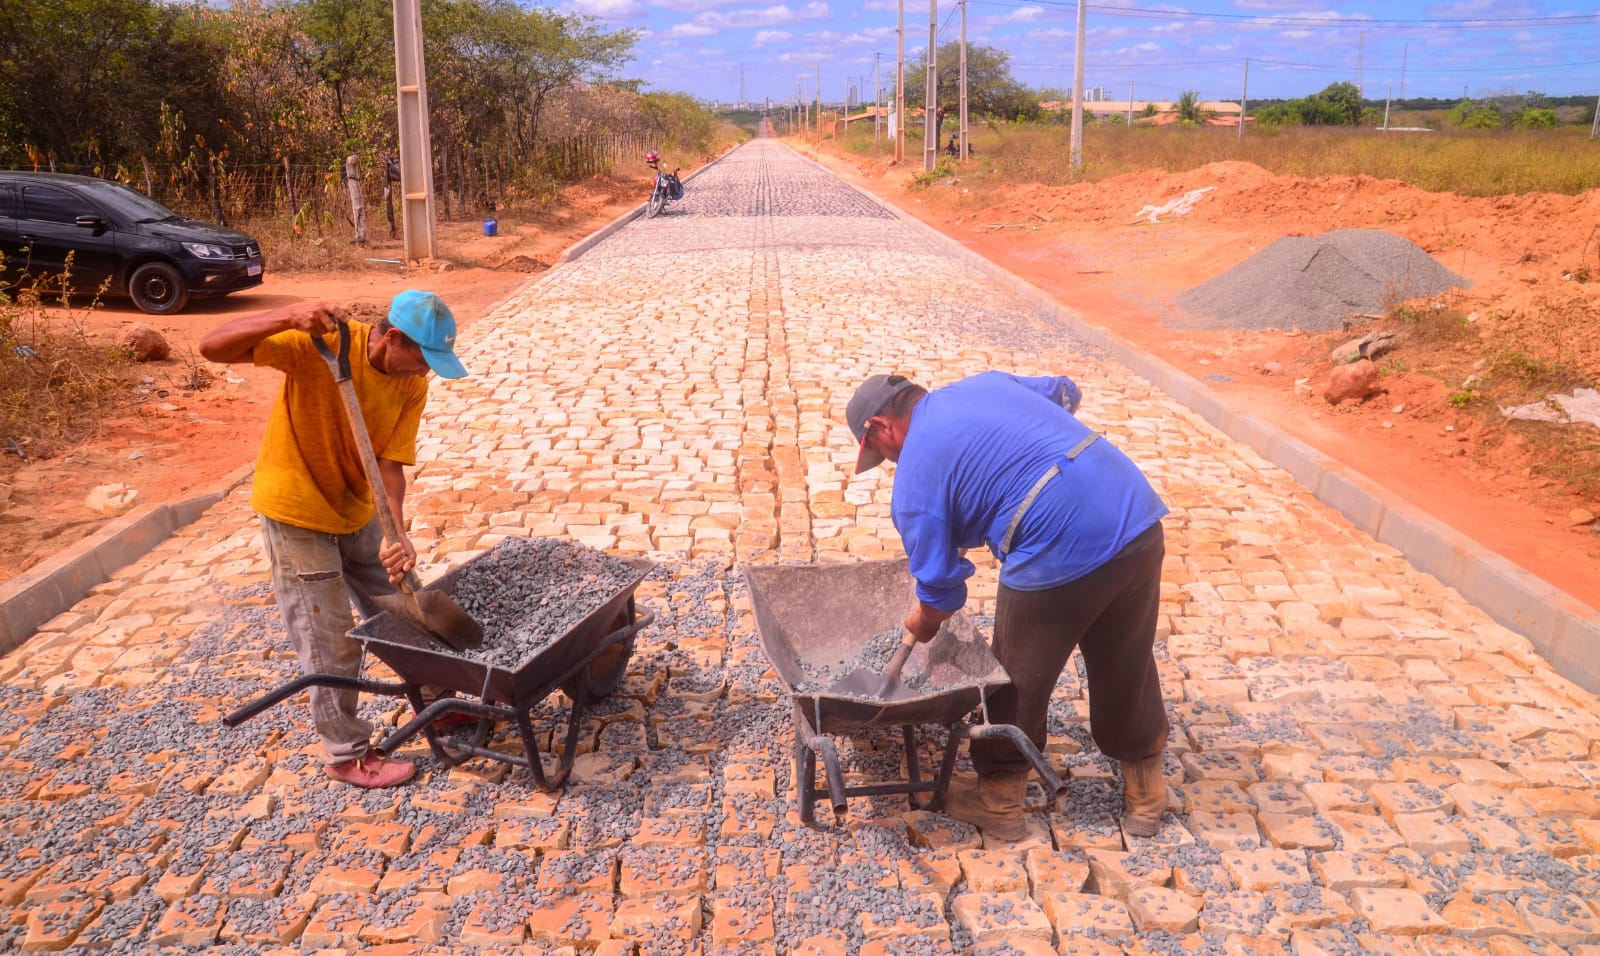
(1244, 97)
(1130, 104)
(900, 88)
(930, 98)
(1594, 128)
(416, 150)
(819, 104)
(1077, 91)
(963, 98)
(877, 93)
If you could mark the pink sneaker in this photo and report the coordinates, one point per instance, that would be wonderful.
(373, 771)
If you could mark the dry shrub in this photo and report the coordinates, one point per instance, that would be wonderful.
(57, 384)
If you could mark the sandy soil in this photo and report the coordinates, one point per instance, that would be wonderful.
(180, 444)
(1527, 256)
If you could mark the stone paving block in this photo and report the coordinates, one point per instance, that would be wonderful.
(1254, 870)
(990, 872)
(1360, 832)
(1052, 871)
(1342, 942)
(1225, 830)
(1003, 917)
(55, 925)
(1397, 912)
(581, 920)
(1077, 913)
(279, 920)
(1160, 909)
(1560, 919)
(1239, 912)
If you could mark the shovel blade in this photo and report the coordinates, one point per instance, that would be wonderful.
(435, 613)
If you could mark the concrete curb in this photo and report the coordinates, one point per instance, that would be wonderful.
(53, 586)
(605, 232)
(1564, 630)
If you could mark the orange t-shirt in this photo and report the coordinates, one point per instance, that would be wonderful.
(308, 472)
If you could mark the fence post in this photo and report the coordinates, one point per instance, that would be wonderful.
(288, 188)
(444, 179)
(358, 204)
(216, 191)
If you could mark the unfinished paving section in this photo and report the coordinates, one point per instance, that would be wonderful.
(1361, 761)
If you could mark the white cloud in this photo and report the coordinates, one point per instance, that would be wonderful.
(1295, 34)
(690, 30)
(1024, 15)
(778, 15)
(763, 37)
(610, 9)
(1049, 33)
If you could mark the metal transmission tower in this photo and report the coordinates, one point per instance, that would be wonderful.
(416, 150)
(930, 98)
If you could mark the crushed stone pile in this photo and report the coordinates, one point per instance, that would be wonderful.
(1317, 282)
(526, 592)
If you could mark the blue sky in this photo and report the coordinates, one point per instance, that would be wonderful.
(1295, 47)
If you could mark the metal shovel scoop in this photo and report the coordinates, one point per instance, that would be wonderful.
(431, 611)
(862, 682)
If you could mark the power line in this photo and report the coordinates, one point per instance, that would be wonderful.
(1471, 23)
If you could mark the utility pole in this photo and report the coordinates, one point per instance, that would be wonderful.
(741, 86)
(1594, 128)
(819, 104)
(1244, 98)
(1386, 109)
(416, 150)
(963, 154)
(1077, 90)
(930, 98)
(877, 91)
(1405, 53)
(1130, 104)
(900, 88)
(1361, 52)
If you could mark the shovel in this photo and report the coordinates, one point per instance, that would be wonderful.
(431, 611)
(862, 682)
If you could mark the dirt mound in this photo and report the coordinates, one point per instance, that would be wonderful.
(523, 264)
(1318, 282)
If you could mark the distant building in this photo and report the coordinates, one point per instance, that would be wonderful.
(1222, 113)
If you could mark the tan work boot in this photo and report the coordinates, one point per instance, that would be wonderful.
(1144, 796)
(993, 804)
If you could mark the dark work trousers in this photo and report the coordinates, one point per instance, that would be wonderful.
(1110, 614)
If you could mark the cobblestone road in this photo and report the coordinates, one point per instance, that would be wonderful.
(1361, 762)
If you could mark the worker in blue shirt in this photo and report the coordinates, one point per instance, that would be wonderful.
(999, 460)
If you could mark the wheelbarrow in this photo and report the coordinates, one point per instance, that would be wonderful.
(586, 662)
(816, 619)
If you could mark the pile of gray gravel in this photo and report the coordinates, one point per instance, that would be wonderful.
(1317, 282)
(527, 592)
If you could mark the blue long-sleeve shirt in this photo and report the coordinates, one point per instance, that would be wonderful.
(972, 453)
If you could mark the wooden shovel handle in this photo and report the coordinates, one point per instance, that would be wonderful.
(340, 366)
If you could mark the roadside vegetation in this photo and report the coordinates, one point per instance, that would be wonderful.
(58, 384)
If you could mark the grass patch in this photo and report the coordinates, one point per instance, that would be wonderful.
(1471, 163)
(57, 384)
(1568, 454)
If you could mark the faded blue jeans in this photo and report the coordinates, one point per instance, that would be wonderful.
(317, 577)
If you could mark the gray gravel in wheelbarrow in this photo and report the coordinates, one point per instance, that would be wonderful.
(873, 658)
(526, 592)
(1317, 282)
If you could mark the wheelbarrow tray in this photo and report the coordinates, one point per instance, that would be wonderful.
(418, 657)
(813, 618)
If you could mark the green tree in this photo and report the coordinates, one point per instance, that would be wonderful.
(991, 90)
(1189, 108)
(1533, 117)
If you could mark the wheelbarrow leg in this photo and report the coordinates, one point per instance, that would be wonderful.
(913, 765)
(1047, 775)
(947, 768)
(805, 780)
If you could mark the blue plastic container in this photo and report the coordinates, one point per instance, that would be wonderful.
(491, 227)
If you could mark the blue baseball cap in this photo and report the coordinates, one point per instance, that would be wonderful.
(427, 321)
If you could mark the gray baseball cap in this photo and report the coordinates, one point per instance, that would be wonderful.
(869, 400)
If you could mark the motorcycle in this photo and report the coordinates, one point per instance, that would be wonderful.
(668, 187)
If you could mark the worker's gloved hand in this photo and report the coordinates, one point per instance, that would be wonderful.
(397, 558)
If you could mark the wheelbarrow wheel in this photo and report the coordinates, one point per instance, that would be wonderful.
(605, 672)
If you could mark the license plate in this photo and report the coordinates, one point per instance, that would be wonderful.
(253, 269)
